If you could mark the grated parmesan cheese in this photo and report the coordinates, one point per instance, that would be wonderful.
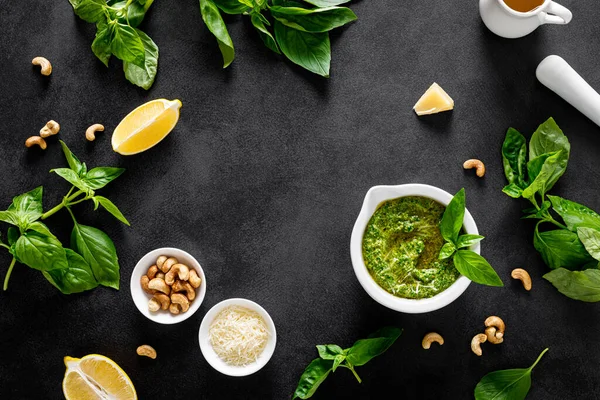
(238, 335)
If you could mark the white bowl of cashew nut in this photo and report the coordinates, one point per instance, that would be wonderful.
(168, 285)
(374, 197)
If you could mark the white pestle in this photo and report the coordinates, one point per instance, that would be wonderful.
(555, 73)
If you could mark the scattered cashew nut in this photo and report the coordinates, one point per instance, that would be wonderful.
(497, 323)
(477, 164)
(33, 140)
(523, 276)
(430, 338)
(178, 298)
(90, 133)
(166, 265)
(144, 282)
(152, 271)
(491, 333)
(476, 343)
(181, 270)
(181, 286)
(44, 63)
(160, 285)
(51, 128)
(146, 351)
(194, 280)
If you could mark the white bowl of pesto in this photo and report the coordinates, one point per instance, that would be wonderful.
(406, 216)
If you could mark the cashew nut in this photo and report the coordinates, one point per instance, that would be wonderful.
(160, 285)
(523, 276)
(178, 298)
(163, 300)
(476, 343)
(152, 271)
(160, 275)
(497, 323)
(90, 133)
(174, 309)
(430, 338)
(181, 286)
(144, 281)
(153, 305)
(473, 163)
(195, 280)
(160, 261)
(44, 63)
(146, 351)
(33, 140)
(492, 333)
(166, 265)
(181, 270)
(51, 128)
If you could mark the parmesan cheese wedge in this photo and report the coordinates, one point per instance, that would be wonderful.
(433, 101)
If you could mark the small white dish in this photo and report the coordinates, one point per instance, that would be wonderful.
(214, 360)
(141, 298)
(377, 195)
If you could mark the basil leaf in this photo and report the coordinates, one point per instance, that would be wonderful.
(534, 167)
(560, 248)
(40, 252)
(577, 285)
(365, 350)
(452, 220)
(10, 217)
(99, 251)
(514, 154)
(89, 10)
(101, 44)
(231, 6)
(25, 208)
(326, 3)
(76, 278)
(311, 51)
(476, 268)
(552, 169)
(329, 351)
(542, 213)
(574, 214)
(509, 384)
(39, 227)
(315, 20)
(72, 160)
(12, 235)
(337, 361)
(135, 14)
(548, 138)
(214, 22)
(312, 377)
(468, 240)
(127, 45)
(513, 190)
(264, 34)
(591, 241)
(447, 250)
(111, 208)
(71, 176)
(143, 77)
(99, 177)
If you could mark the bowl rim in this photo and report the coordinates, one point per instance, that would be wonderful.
(374, 197)
(141, 298)
(214, 360)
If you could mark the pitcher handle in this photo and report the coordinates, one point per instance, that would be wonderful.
(562, 15)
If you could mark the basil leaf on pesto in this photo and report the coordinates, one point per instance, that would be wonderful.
(476, 268)
(452, 220)
(447, 251)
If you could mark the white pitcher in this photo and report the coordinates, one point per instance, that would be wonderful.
(508, 23)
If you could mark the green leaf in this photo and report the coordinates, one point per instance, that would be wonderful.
(452, 220)
(591, 241)
(552, 169)
(548, 138)
(311, 51)
(514, 158)
(10, 217)
(99, 251)
(101, 44)
(365, 350)
(263, 32)
(12, 235)
(72, 160)
(326, 3)
(232, 6)
(542, 213)
(127, 45)
(574, 214)
(577, 285)
(135, 14)
(76, 278)
(111, 208)
(513, 190)
(40, 251)
(509, 384)
(39, 227)
(329, 351)
(71, 176)
(534, 167)
(143, 77)
(468, 240)
(476, 268)
(447, 250)
(337, 361)
(90, 10)
(560, 248)
(99, 177)
(215, 24)
(25, 208)
(312, 377)
(315, 20)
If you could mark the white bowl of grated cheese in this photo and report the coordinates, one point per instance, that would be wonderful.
(237, 337)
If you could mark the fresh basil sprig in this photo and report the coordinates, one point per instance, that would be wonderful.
(467, 262)
(93, 258)
(117, 34)
(572, 247)
(508, 384)
(300, 30)
(333, 357)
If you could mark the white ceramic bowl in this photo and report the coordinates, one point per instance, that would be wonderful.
(141, 298)
(214, 360)
(377, 195)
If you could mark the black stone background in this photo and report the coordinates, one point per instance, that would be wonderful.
(262, 180)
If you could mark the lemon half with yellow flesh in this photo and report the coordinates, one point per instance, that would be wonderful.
(145, 126)
(96, 377)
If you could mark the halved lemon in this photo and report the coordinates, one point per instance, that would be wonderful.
(145, 126)
(96, 377)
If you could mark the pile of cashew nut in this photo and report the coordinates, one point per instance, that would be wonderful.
(494, 333)
(172, 284)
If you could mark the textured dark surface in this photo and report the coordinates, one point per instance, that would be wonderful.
(262, 180)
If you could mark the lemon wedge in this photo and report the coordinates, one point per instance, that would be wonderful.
(433, 101)
(145, 126)
(96, 377)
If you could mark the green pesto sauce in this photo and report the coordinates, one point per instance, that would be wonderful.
(401, 246)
